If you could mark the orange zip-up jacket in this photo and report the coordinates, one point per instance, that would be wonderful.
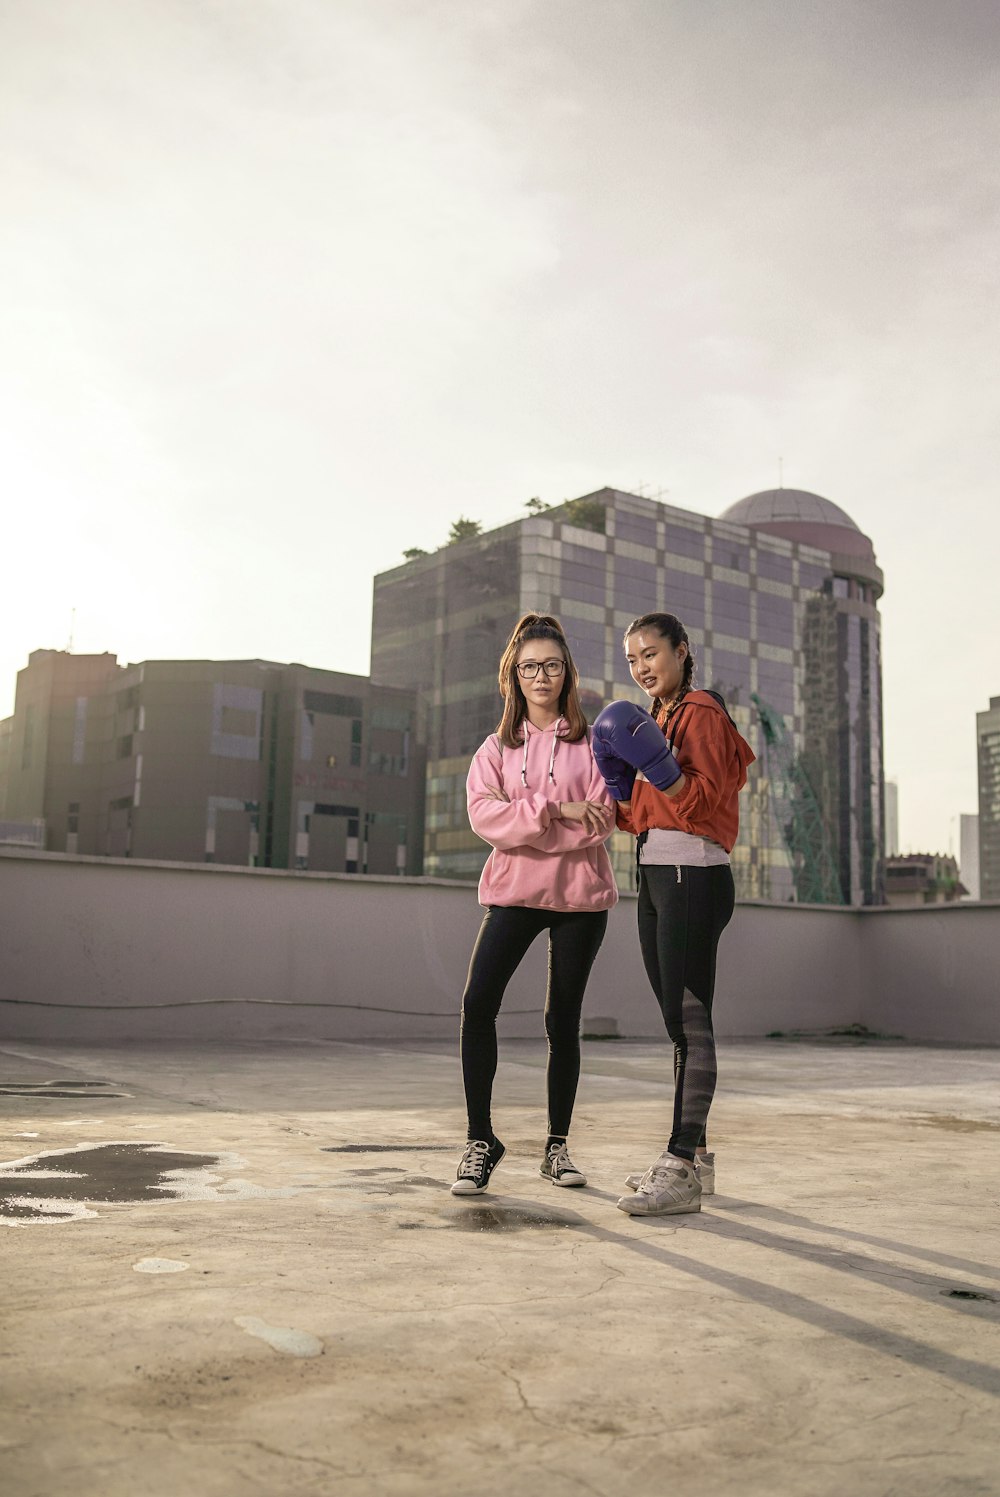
(714, 757)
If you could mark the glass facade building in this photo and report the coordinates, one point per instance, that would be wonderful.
(779, 598)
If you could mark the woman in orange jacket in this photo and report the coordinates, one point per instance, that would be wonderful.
(676, 775)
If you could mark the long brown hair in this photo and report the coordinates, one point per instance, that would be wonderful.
(510, 727)
(667, 626)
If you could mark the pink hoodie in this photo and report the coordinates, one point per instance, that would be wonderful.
(537, 859)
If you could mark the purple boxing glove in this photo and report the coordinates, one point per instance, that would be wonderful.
(626, 735)
(618, 776)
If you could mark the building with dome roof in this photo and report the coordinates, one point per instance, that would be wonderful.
(838, 727)
(779, 597)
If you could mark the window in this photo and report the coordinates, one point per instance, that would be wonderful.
(328, 703)
(241, 720)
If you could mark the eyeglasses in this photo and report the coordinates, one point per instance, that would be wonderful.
(529, 670)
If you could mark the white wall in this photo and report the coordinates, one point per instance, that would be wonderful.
(97, 948)
(933, 973)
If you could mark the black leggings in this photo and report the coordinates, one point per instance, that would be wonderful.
(682, 914)
(504, 937)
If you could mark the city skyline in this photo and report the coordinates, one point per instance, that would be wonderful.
(279, 303)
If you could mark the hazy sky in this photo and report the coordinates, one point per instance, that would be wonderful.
(288, 285)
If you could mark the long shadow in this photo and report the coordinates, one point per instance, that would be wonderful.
(978, 1375)
(908, 1282)
(789, 1218)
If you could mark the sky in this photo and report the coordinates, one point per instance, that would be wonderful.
(286, 286)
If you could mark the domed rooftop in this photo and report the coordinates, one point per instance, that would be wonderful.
(772, 506)
(798, 515)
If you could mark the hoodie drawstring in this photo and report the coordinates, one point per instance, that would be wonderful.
(552, 755)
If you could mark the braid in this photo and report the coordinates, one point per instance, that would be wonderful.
(687, 683)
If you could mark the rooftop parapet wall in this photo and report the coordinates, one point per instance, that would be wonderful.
(97, 949)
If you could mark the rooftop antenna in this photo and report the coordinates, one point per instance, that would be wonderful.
(72, 631)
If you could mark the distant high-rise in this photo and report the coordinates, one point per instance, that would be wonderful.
(891, 819)
(988, 746)
(968, 855)
(779, 596)
(222, 761)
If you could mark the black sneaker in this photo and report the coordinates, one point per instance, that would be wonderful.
(477, 1165)
(559, 1168)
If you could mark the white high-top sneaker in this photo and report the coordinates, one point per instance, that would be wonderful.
(704, 1168)
(668, 1188)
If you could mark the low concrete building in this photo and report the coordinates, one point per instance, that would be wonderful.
(922, 878)
(239, 761)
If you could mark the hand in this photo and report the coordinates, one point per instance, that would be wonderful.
(595, 818)
(493, 792)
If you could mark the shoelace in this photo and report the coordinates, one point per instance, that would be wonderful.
(656, 1176)
(472, 1159)
(560, 1161)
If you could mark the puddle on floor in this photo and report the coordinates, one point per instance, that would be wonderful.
(509, 1219)
(953, 1124)
(379, 1169)
(62, 1184)
(387, 1187)
(388, 1149)
(90, 1091)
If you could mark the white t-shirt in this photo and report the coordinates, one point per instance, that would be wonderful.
(681, 849)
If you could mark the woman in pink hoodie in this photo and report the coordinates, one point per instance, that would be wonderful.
(536, 795)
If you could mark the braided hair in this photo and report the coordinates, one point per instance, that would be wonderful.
(668, 626)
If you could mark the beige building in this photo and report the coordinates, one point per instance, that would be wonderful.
(922, 878)
(241, 761)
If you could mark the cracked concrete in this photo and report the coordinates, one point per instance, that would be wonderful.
(797, 1336)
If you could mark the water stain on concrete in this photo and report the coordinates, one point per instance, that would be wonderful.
(388, 1149)
(283, 1338)
(90, 1091)
(388, 1187)
(509, 1219)
(953, 1124)
(62, 1184)
(379, 1169)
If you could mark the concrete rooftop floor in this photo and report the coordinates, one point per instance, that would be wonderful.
(341, 1324)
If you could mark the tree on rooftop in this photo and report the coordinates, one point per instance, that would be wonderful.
(586, 514)
(413, 551)
(534, 505)
(462, 528)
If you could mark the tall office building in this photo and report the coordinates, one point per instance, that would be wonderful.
(988, 753)
(968, 855)
(891, 819)
(239, 761)
(779, 596)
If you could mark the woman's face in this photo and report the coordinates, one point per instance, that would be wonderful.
(541, 686)
(654, 664)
